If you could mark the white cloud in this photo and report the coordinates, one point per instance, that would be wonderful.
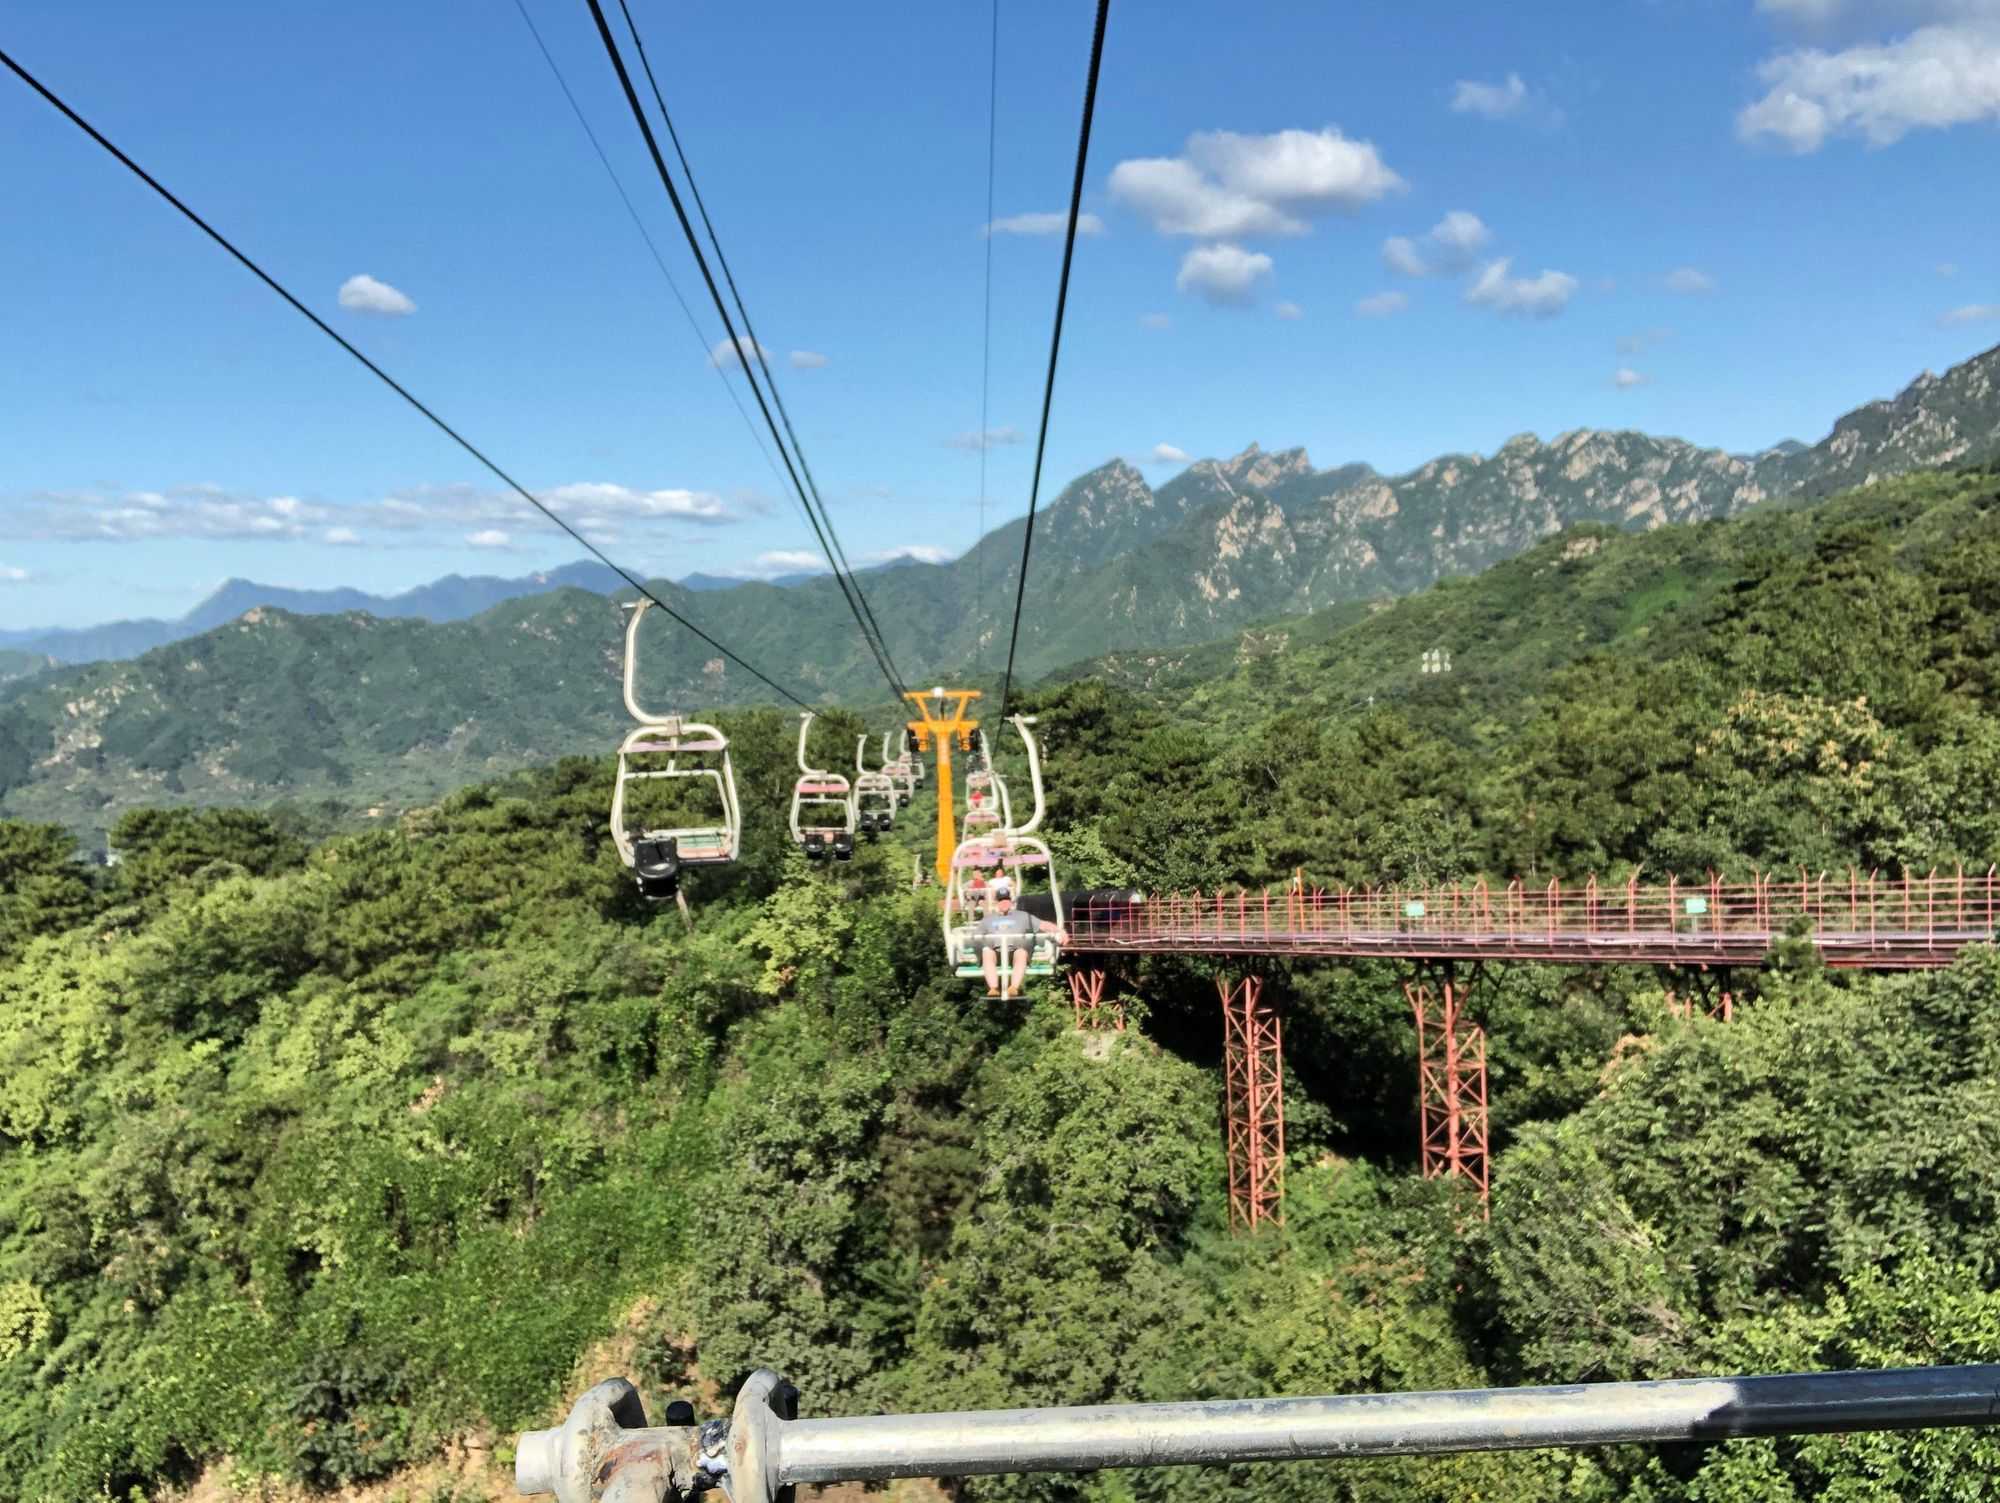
(1934, 78)
(11, 575)
(1689, 282)
(923, 553)
(437, 514)
(363, 294)
(1289, 311)
(1625, 378)
(1180, 201)
(1155, 321)
(789, 561)
(1535, 297)
(1225, 184)
(1308, 171)
(1460, 233)
(1225, 275)
(730, 354)
(702, 507)
(1947, 269)
(1381, 305)
(992, 438)
(1971, 313)
(807, 360)
(1399, 253)
(1494, 101)
(1638, 344)
(1453, 240)
(1810, 15)
(490, 537)
(1045, 224)
(1167, 454)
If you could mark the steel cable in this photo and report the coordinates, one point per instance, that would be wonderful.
(388, 380)
(1055, 342)
(836, 556)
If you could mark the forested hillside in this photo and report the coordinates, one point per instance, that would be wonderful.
(396, 711)
(317, 1159)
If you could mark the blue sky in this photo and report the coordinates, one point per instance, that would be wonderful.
(1762, 212)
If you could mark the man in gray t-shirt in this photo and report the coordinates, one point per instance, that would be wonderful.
(1006, 929)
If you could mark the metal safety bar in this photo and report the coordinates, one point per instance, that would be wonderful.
(763, 1449)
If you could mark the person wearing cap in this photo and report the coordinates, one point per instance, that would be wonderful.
(1010, 932)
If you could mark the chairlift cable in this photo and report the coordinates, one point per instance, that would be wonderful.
(388, 380)
(646, 235)
(986, 330)
(715, 296)
(836, 556)
(1055, 341)
(756, 346)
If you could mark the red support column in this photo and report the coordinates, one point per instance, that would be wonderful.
(1689, 989)
(1451, 1086)
(1086, 996)
(1253, 1082)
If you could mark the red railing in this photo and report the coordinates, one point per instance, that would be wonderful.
(1869, 921)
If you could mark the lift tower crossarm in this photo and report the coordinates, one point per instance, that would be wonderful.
(943, 726)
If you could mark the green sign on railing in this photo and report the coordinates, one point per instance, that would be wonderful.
(1414, 908)
(1696, 905)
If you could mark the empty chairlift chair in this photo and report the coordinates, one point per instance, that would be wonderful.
(704, 824)
(822, 807)
(902, 770)
(874, 796)
(987, 807)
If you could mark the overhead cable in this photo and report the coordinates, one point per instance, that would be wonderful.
(837, 555)
(986, 336)
(660, 261)
(729, 326)
(1055, 340)
(388, 380)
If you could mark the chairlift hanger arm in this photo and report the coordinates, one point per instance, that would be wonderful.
(806, 769)
(1021, 724)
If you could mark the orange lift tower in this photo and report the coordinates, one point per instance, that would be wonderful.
(944, 727)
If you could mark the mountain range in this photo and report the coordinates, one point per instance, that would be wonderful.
(452, 598)
(359, 705)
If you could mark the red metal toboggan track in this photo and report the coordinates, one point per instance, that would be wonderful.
(1696, 932)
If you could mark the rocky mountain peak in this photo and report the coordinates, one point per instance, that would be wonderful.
(1113, 486)
(1261, 471)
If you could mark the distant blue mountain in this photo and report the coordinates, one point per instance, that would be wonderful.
(453, 598)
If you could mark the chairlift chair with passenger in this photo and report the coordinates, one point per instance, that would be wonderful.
(822, 807)
(1024, 859)
(696, 760)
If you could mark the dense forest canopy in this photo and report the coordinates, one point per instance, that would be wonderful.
(320, 1149)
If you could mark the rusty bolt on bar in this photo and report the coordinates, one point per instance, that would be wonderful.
(604, 1453)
